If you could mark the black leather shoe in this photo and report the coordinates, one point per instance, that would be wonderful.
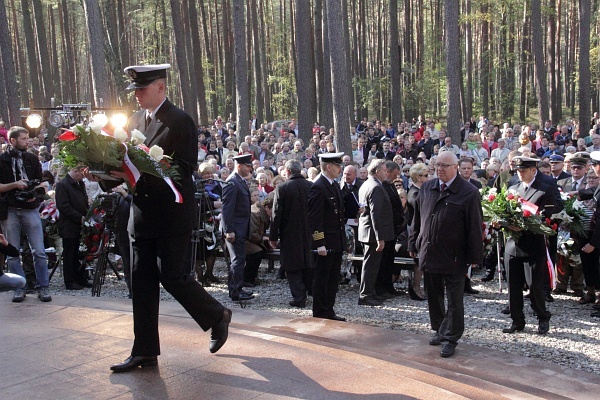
(543, 327)
(370, 301)
(246, 292)
(242, 296)
(219, 332)
(506, 310)
(435, 340)
(596, 306)
(513, 328)
(74, 286)
(559, 291)
(549, 298)
(338, 318)
(488, 277)
(412, 294)
(396, 292)
(595, 314)
(132, 362)
(469, 289)
(447, 350)
(299, 304)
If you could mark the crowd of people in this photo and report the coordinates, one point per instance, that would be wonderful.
(402, 191)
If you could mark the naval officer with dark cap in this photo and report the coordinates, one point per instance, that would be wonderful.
(526, 257)
(161, 226)
(235, 224)
(326, 219)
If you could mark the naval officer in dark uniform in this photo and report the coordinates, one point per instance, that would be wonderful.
(161, 227)
(326, 219)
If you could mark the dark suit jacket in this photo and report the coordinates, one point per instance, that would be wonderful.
(290, 223)
(236, 207)
(155, 212)
(475, 183)
(326, 215)
(388, 156)
(377, 221)
(351, 199)
(72, 205)
(447, 227)
(397, 208)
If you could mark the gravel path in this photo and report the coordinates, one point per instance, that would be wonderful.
(573, 341)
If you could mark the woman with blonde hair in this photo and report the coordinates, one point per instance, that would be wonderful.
(419, 174)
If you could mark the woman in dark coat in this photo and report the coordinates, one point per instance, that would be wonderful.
(290, 226)
(419, 174)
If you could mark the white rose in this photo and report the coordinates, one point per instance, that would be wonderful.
(120, 135)
(137, 137)
(493, 191)
(96, 125)
(156, 152)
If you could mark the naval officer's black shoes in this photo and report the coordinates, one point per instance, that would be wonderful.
(514, 328)
(337, 318)
(132, 362)
(435, 340)
(447, 350)
(543, 327)
(219, 332)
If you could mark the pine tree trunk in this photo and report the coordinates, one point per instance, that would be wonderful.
(189, 103)
(341, 120)
(11, 115)
(241, 70)
(45, 66)
(538, 57)
(453, 70)
(318, 56)
(395, 65)
(264, 65)
(524, 62)
(54, 49)
(258, 72)
(584, 66)
(305, 82)
(95, 33)
(36, 98)
(214, 105)
(228, 63)
(551, 60)
(198, 70)
(485, 62)
(327, 117)
(468, 112)
(70, 87)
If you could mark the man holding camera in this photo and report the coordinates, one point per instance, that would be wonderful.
(17, 168)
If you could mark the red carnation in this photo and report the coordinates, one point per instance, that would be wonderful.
(491, 197)
(554, 227)
(98, 226)
(96, 238)
(89, 257)
(94, 249)
(96, 211)
(67, 136)
(527, 213)
(510, 196)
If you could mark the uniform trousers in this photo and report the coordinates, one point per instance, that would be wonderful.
(386, 269)
(325, 284)
(237, 255)
(516, 281)
(449, 323)
(162, 260)
(300, 281)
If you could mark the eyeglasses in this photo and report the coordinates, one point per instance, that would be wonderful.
(424, 176)
(577, 167)
(592, 178)
(443, 166)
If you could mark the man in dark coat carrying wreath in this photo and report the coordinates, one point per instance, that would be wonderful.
(290, 227)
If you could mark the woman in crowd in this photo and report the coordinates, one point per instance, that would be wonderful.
(419, 174)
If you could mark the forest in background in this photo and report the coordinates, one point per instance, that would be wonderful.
(317, 60)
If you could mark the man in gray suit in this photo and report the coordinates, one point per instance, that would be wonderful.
(235, 224)
(375, 227)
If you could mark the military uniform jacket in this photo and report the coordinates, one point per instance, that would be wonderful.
(326, 215)
(154, 210)
(235, 216)
(542, 195)
(72, 204)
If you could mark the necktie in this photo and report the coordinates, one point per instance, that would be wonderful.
(574, 185)
(349, 186)
(443, 187)
(148, 120)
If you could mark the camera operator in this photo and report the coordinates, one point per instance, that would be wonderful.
(18, 169)
(72, 204)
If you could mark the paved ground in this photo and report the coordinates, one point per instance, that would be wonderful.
(62, 350)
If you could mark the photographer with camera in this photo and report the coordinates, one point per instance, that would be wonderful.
(19, 170)
(72, 204)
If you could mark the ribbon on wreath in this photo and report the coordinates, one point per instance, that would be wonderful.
(551, 267)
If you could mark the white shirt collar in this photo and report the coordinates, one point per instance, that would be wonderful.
(153, 113)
